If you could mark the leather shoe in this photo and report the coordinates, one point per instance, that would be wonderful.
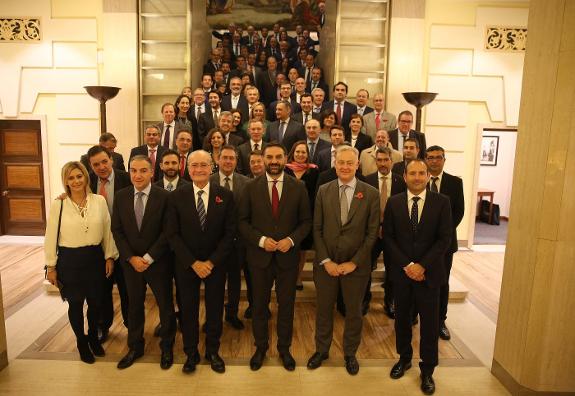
(444, 333)
(389, 310)
(351, 365)
(427, 384)
(84, 349)
(130, 358)
(103, 335)
(399, 369)
(235, 322)
(191, 363)
(216, 362)
(287, 360)
(257, 359)
(248, 313)
(167, 359)
(157, 330)
(316, 359)
(95, 345)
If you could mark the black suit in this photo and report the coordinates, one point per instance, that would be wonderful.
(256, 220)
(244, 151)
(452, 187)
(348, 110)
(242, 106)
(210, 68)
(294, 131)
(143, 150)
(426, 245)
(121, 180)
(299, 116)
(181, 182)
(267, 87)
(149, 239)
(320, 84)
(363, 142)
(190, 243)
(206, 122)
(420, 137)
(320, 146)
(323, 159)
(234, 139)
(271, 111)
(399, 168)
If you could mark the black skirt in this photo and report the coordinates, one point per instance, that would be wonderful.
(82, 272)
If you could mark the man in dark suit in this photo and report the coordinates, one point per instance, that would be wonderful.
(284, 130)
(225, 125)
(346, 222)
(342, 108)
(256, 132)
(169, 126)
(306, 112)
(107, 181)
(235, 100)
(417, 231)
(361, 99)
(138, 228)
(151, 149)
(314, 143)
(403, 132)
(266, 80)
(170, 166)
(184, 144)
(200, 227)
(274, 217)
(388, 184)
(317, 81)
(209, 119)
(451, 186)
(299, 90)
(326, 158)
(214, 63)
(285, 92)
(109, 142)
(410, 152)
(235, 182)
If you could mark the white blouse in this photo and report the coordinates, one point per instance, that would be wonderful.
(78, 231)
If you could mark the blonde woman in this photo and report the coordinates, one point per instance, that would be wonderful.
(80, 253)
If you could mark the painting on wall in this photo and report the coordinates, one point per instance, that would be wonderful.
(258, 13)
(489, 150)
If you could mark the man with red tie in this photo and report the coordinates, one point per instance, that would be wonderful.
(169, 126)
(151, 149)
(342, 108)
(184, 143)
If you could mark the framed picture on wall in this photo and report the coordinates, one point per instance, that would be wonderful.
(489, 150)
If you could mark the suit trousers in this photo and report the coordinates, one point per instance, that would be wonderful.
(410, 297)
(262, 281)
(107, 312)
(353, 289)
(188, 289)
(159, 277)
(444, 289)
(234, 272)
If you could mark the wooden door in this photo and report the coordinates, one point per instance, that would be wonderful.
(21, 178)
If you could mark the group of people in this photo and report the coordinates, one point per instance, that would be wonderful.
(219, 187)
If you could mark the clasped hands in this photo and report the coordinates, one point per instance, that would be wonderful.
(335, 269)
(203, 268)
(270, 245)
(415, 271)
(140, 264)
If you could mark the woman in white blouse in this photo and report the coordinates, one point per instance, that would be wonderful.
(81, 256)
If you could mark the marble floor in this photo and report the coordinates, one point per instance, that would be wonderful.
(58, 370)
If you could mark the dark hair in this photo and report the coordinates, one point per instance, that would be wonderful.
(229, 147)
(411, 140)
(305, 95)
(216, 92)
(178, 100)
(341, 83)
(246, 74)
(384, 150)
(435, 148)
(106, 137)
(274, 144)
(208, 139)
(292, 151)
(354, 116)
(415, 160)
(140, 157)
(338, 127)
(325, 114)
(256, 152)
(169, 152)
(405, 112)
(167, 104)
(285, 103)
(186, 131)
(95, 150)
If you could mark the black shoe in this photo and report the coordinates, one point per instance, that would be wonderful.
(427, 384)
(316, 359)
(257, 359)
(444, 333)
(351, 365)
(103, 335)
(95, 345)
(389, 310)
(399, 369)
(157, 330)
(84, 349)
(191, 363)
(299, 287)
(167, 359)
(287, 360)
(235, 322)
(216, 362)
(130, 358)
(248, 313)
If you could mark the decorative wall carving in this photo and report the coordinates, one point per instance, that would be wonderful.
(502, 38)
(19, 29)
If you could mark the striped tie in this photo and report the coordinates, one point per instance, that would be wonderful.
(201, 210)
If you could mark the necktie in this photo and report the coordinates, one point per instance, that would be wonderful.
(167, 137)
(308, 77)
(377, 121)
(237, 49)
(338, 113)
(139, 209)
(305, 118)
(102, 190)
(434, 184)
(201, 210)
(256, 146)
(153, 158)
(344, 206)
(311, 150)
(170, 187)
(282, 130)
(182, 165)
(227, 183)
(216, 117)
(332, 158)
(414, 213)
(383, 195)
(198, 112)
(275, 200)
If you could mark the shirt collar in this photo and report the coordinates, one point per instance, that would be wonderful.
(146, 190)
(252, 142)
(174, 182)
(206, 188)
(351, 184)
(439, 177)
(223, 176)
(111, 177)
(380, 175)
(271, 180)
(421, 195)
(312, 141)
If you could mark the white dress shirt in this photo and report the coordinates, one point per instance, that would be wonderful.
(420, 203)
(174, 182)
(172, 133)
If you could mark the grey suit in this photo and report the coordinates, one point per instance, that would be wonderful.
(387, 121)
(352, 241)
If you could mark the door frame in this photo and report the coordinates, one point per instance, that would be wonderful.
(45, 154)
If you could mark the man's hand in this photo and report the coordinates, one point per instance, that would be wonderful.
(284, 245)
(331, 268)
(270, 245)
(415, 272)
(202, 268)
(109, 267)
(139, 263)
(346, 268)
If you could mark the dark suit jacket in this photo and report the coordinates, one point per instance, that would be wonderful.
(243, 106)
(452, 187)
(353, 240)
(363, 142)
(234, 139)
(173, 133)
(348, 110)
(299, 116)
(320, 146)
(209, 68)
(181, 182)
(399, 168)
(143, 150)
(244, 151)
(121, 180)
(116, 157)
(271, 111)
(239, 182)
(184, 232)
(426, 246)
(321, 84)
(206, 123)
(294, 132)
(256, 220)
(420, 137)
(267, 87)
(397, 183)
(323, 159)
(150, 238)
(367, 110)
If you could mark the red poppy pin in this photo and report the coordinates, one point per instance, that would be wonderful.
(359, 195)
(219, 200)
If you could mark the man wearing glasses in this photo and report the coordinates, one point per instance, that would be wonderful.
(399, 135)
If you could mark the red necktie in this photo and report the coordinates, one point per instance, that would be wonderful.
(182, 165)
(102, 190)
(338, 113)
(153, 158)
(377, 120)
(275, 201)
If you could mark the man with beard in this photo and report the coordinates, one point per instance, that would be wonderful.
(273, 228)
